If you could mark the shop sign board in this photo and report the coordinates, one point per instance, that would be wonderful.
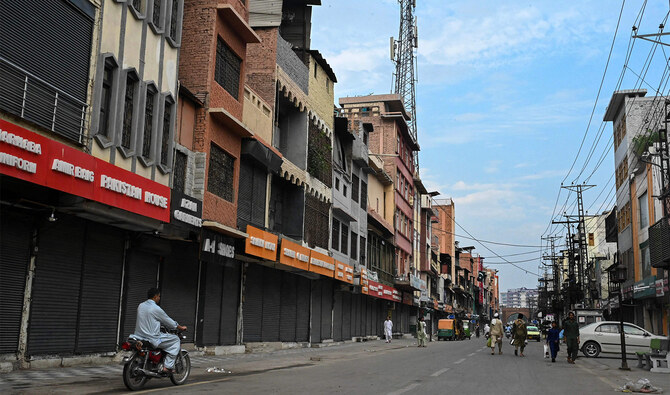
(261, 243)
(321, 264)
(185, 211)
(35, 158)
(216, 248)
(408, 298)
(344, 272)
(294, 255)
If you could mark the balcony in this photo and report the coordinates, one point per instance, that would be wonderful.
(659, 244)
(34, 100)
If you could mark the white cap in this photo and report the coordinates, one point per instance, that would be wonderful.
(495, 315)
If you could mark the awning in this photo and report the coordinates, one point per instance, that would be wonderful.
(262, 154)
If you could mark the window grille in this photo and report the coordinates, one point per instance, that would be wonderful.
(179, 178)
(353, 253)
(174, 19)
(227, 71)
(364, 195)
(156, 17)
(165, 139)
(336, 235)
(345, 239)
(355, 181)
(148, 123)
(107, 81)
(128, 112)
(220, 175)
(363, 245)
(137, 5)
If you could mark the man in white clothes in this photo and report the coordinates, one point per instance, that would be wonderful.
(388, 329)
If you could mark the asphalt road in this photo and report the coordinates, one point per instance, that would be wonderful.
(371, 368)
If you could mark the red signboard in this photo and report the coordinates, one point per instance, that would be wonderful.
(34, 158)
(383, 291)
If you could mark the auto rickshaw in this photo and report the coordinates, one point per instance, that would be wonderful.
(466, 330)
(445, 330)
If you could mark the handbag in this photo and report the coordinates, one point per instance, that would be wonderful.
(488, 342)
(546, 351)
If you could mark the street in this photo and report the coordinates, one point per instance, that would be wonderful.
(358, 368)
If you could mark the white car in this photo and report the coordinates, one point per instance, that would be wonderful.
(605, 337)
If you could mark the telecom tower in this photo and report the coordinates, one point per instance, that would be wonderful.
(404, 57)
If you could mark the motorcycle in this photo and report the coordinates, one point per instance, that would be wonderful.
(146, 362)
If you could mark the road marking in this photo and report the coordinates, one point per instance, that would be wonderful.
(403, 390)
(459, 361)
(471, 354)
(185, 385)
(439, 372)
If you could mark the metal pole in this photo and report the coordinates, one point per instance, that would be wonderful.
(624, 363)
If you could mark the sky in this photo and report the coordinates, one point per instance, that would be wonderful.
(506, 93)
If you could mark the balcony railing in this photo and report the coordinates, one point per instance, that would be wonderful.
(659, 244)
(33, 99)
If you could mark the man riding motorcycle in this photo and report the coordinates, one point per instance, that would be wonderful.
(147, 328)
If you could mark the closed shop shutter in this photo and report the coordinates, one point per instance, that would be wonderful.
(245, 194)
(370, 316)
(179, 285)
(337, 316)
(211, 281)
(354, 315)
(382, 313)
(15, 239)
(302, 316)
(364, 315)
(346, 316)
(231, 302)
(101, 288)
(359, 315)
(55, 296)
(253, 303)
(141, 274)
(316, 312)
(271, 304)
(327, 309)
(289, 301)
(259, 196)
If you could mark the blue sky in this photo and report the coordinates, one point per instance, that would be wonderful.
(504, 96)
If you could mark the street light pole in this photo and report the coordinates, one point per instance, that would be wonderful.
(624, 363)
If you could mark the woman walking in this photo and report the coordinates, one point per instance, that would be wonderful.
(421, 332)
(553, 340)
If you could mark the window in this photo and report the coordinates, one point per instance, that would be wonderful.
(138, 8)
(344, 190)
(156, 15)
(353, 252)
(228, 66)
(167, 123)
(365, 138)
(644, 210)
(336, 235)
(345, 239)
(174, 20)
(337, 184)
(364, 195)
(129, 100)
(148, 122)
(361, 259)
(220, 175)
(355, 181)
(632, 330)
(315, 69)
(106, 99)
(179, 172)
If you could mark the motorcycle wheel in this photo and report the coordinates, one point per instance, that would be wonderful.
(182, 369)
(132, 378)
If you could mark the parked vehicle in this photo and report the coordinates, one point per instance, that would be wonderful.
(146, 362)
(445, 330)
(532, 333)
(604, 337)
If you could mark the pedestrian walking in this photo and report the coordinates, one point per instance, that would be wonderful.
(571, 336)
(477, 331)
(487, 330)
(388, 329)
(519, 332)
(496, 334)
(553, 340)
(421, 332)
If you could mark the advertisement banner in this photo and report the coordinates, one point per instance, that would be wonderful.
(294, 255)
(321, 264)
(185, 211)
(261, 243)
(34, 158)
(216, 248)
(344, 272)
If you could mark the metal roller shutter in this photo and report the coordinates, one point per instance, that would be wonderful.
(231, 302)
(179, 285)
(271, 305)
(302, 317)
(289, 301)
(382, 313)
(346, 316)
(15, 239)
(364, 315)
(327, 309)
(252, 310)
(369, 330)
(211, 281)
(337, 316)
(361, 316)
(141, 274)
(55, 296)
(354, 315)
(316, 312)
(101, 288)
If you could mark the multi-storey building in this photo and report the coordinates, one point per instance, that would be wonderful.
(87, 116)
(519, 297)
(637, 121)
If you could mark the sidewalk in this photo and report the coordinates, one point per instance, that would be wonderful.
(607, 370)
(24, 380)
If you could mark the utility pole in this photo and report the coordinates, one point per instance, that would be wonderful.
(555, 273)
(571, 295)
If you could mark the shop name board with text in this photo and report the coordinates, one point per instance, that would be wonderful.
(34, 158)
